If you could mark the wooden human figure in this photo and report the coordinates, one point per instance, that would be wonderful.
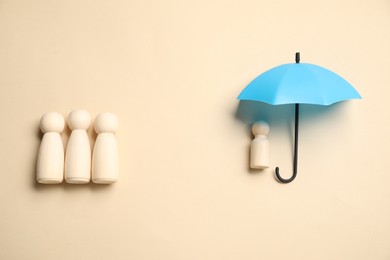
(105, 168)
(78, 151)
(259, 158)
(50, 161)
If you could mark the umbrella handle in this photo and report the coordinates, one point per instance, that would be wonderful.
(278, 177)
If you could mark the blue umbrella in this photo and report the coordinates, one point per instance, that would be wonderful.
(298, 83)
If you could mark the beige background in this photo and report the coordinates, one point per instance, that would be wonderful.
(171, 70)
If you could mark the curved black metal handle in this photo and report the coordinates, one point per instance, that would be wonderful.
(278, 177)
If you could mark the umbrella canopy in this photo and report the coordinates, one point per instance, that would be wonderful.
(298, 83)
(301, 83)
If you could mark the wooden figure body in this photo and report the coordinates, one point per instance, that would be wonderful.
(78, 151)
(50, 161)
(260, 146)
(105, 168)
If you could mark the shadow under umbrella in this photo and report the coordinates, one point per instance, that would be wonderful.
(281, 117)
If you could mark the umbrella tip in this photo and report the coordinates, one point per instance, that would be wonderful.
(297, 57)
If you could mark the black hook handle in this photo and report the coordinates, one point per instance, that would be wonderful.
(278, 177)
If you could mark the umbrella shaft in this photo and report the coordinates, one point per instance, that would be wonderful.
(296, 139)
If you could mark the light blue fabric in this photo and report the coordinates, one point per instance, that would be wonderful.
(301, 83)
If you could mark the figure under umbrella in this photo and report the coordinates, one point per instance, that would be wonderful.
(260, 146)
(298, 83)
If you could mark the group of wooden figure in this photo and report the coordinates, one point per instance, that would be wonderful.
(75, 166)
